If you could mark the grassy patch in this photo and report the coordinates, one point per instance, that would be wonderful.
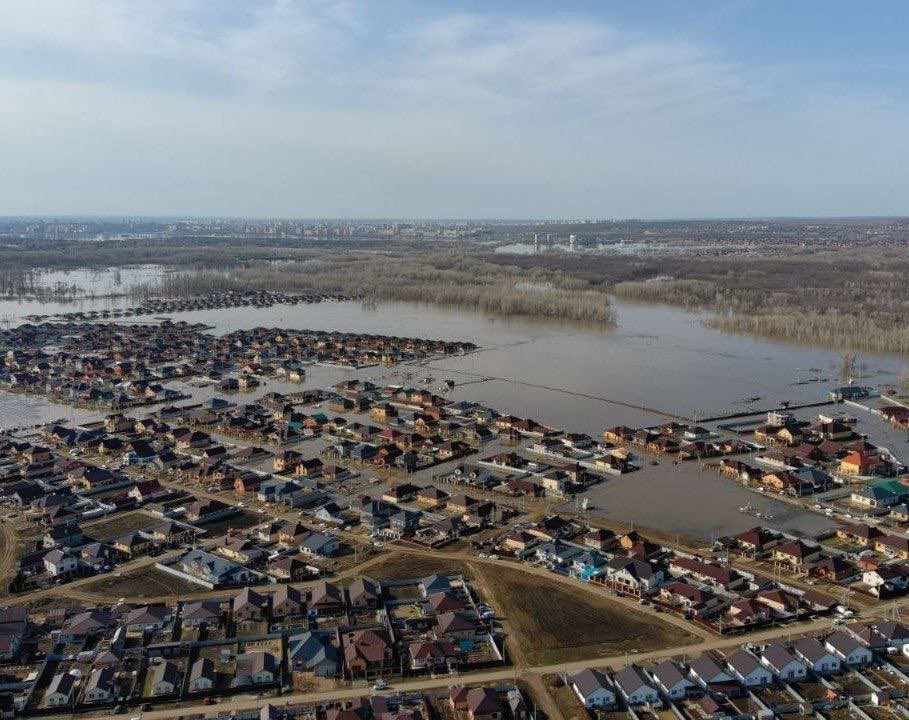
(239, 521)
(553, 623)
(142, 582)
(115, 526)
(401, 566)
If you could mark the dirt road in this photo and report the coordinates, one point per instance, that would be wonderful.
(499, 675)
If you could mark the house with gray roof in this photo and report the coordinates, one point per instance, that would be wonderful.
(215, 571)
(816, 656)
(707, 671)
(202, 675)
(100, 687)
(165, 679)
(637, 575)
(670, 678)
(320, 544)
(635, 687)
(314, 652)
(61, 691)
(748, 669)
(255, 668)
(783, 662)
(433, 584)
(594, 688)
(851, 651)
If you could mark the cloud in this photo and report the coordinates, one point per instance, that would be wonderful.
(583, 65)
(254, 48)
(326, 107)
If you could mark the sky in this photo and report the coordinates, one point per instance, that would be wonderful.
(400, 109)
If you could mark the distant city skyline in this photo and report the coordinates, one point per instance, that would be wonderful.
(422, 110)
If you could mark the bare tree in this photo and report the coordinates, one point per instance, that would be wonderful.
(847, 368)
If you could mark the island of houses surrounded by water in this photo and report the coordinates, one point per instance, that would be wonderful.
(369, 551)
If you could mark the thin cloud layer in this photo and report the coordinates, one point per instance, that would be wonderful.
(343, 109)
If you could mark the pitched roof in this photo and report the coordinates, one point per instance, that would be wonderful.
(811, 649)
(668, 674)
(778, 656)
(631, 678)
(844, 643)
(743, 662)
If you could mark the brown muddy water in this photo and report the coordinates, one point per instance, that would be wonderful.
(658, 363)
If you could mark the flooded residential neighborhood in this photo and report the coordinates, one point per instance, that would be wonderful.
(454, 361)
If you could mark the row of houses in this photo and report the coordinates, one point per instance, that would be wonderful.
(809, 666)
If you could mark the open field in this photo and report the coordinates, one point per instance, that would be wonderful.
(10, 550)
(242, 520)
(118, 525)
(142, 582)
(554, 623)
(45, 603)
(565, 699)
(403, 565)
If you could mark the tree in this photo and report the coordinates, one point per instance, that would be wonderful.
(847, 368)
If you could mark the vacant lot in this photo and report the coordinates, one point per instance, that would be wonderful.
(44, 604)
(240, 521)
(10, 551)
(564, 698)
(402, 565)
(141, 582)
(117, 525)
(552, 622)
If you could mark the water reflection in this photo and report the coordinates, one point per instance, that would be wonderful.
(659, 362)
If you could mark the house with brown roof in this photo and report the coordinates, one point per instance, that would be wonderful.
(711, 573)
(250, 606)
(364, 594)
(859, 533)
(197, 613)
(832, 568)
(618, 434)
(327, 599)
(756, 540)
(368, 652)
(599, 538)
(433, 655)
(484, 703)
(479, 703)
(288, 569)
(456, 625)
(432, 497)
(779, 601)
(893, 545)
(796, 554)
(748, 612)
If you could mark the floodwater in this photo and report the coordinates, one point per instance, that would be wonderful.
(659, 362)
(85, 289)
(692, 502)
(104, 281)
